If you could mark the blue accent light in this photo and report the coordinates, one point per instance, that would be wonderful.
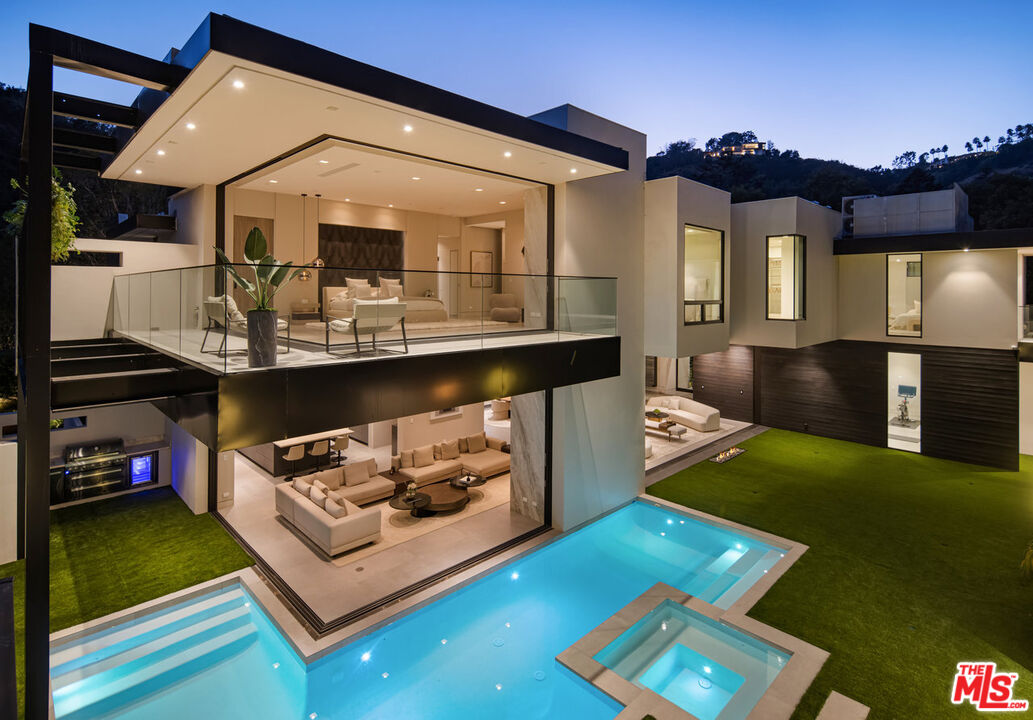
(140, 469)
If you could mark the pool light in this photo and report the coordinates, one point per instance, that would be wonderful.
(276, 666)
(705, 684)
(670, 522)
(738, 546)
(385, 675)
(514, 575)
(444, 641)
(366, 656)
(498, 686)
(706, 669)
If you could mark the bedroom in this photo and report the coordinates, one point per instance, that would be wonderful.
(448, 242)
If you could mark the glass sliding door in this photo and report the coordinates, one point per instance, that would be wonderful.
(704, 270)
(904, 295)
(786, 277)
(904, 401)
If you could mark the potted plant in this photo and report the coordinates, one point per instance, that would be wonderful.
(270, 276)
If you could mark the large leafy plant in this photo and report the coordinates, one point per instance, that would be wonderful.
(271, 275)
(64, 217)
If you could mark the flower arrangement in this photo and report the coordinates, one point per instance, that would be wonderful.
(410, 490)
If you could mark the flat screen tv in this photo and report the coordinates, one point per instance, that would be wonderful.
(907, 390)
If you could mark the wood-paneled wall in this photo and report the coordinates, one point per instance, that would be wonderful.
(724, 380)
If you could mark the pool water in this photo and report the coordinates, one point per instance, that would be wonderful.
(699, 664)
(486, 650)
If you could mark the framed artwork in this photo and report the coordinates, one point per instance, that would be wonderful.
(445, 413)
(480, 266)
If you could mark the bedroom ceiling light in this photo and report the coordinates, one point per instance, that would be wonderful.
(502, 202)
(138, 171)
(324, 162)
(507, 154)
(573, 171)
(391, 206)
(191, 126)
(407, 128)
(478, 189)
(161, 152)
(414, 177)
(239, 84)
(274, 181)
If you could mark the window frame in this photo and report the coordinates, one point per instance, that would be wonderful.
(803, 275)
(921, 294)
(702, 303)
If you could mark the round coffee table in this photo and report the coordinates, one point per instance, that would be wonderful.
(413, 504)
(443, 498)
(658, 415)
(467, 480)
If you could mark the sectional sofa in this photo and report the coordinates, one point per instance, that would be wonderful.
(331, 522)
(687, 412)
(431, 463)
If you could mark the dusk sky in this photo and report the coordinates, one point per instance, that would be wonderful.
(858, 82)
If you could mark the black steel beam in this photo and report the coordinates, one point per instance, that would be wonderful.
(932, 242)
(79, 140)
(114, 388)
(261, 407)
(95, 349)
(99, 365)
(98, 111)
(33, 365)
(77, 162)
(8, 682)
(89, 56)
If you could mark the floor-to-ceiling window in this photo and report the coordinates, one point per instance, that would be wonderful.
(904, 295)
(786, 277)
(704, 275)
(904, 401)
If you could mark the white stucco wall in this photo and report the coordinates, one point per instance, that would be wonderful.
(597, 427)
(8, 502)
(1026, 408)
(189, 468)
(671, 204)
(969, 299)
(752, 223)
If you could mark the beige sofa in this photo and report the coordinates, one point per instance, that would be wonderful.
(331, 535)
(450, 458)
(687, 412)
(357, 482)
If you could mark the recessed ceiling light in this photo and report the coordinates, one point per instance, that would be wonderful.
(191, 126)
(507, 154)
(502, 202)
(347, 199)
(573, 171)
(390, 205)
(407, 128)
(138, 171)
(274, 181)
(161, 152)
(414, 177)
(332, 108)
(966, 249)
(478, 189)
(324, 162)
(239, 84)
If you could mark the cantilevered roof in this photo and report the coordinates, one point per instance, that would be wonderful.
(252, 95)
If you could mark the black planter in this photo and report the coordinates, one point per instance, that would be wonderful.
(261, 338)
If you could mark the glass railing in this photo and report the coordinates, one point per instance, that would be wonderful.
(343, 314)
(1026, 321)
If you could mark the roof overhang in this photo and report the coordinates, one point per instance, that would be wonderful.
(932, 242)
(253, 95)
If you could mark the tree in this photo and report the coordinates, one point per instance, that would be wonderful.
(1000, 141)
(968, 146)
(1001, 200)
(904, 160)
(978, 143)
(923, 158)
(918, 180)
(986, 141)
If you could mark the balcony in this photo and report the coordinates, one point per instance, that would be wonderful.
(360, 315)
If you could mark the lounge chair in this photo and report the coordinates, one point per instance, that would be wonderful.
(369, 317)
(223, 312)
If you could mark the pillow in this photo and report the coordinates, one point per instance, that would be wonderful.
(374, 301)
(317, 496)
(388, 281)
(423, 456)
(336, 497)
(341, 296)
(330, 478)
(407, 459)
(355, 282)
(477, 443)
(301, 486)
(317, 485)
(463, 445)
(394, 291)
(232, 311)
(450, 450)
(437, 451)
(335, 509)
(363, 291)
(356, 474)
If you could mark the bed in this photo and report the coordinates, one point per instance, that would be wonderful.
(418, 308)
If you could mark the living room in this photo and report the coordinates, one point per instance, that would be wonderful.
(347, 517)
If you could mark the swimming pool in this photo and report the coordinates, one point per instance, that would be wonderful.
(486, 650)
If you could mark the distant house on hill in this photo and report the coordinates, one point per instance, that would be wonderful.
(746, 148)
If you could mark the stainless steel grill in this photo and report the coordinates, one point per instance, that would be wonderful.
(93, 469)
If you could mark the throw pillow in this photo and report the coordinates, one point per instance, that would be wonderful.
(450, 450)
(356, 474)
(331, 478)
(336, 510)
(363, 291)
(394, 291)
(320, 487)
(423, 456)
(437, 451)
(388, 281)
(407, 461)
(336, 497)
(355, 282)
(301, 486)
(317, 496)
(476, 443)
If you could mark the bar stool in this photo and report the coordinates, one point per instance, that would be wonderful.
(320, 449)
(340, 444)
(296, 452)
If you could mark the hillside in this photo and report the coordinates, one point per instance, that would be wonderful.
(999, 184)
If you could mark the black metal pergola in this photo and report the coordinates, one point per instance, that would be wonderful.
(44, 147)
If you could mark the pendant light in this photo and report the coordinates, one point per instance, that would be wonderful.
(305, 275)
(317, 261)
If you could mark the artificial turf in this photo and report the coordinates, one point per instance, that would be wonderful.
(116, 553)
(913, 563)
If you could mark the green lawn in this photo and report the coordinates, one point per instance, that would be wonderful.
(913, 563)
(113, 554)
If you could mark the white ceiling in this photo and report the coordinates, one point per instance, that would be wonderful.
(271, 113)
(370, 176)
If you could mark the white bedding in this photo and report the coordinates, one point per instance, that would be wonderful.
(418, 308)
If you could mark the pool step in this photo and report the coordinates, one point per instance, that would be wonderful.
(112, 668)
(733, 593)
